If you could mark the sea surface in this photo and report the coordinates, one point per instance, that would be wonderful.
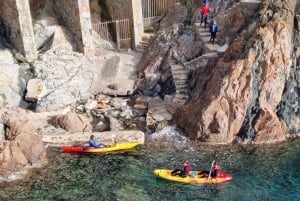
(269, 173)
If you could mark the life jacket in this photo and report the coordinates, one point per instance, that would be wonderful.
(213, 27)
(186, 167)
(204, 10)
(217, 170)
(92, 143)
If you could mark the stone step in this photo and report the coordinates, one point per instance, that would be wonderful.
(250, 1)
(180, 81)
(182, 92)
(180, 75)
(211, 47)
(180, 78)
(181, 85)
(176, 67)
(179, 101)
(210, 55)
(181, 97)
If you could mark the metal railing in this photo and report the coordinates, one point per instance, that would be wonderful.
(155, 8)
(118, 31)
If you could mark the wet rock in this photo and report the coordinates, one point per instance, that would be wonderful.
(268, 128)
(23, 146)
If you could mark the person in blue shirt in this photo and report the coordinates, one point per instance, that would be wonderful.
(93, 143)
(213, 28)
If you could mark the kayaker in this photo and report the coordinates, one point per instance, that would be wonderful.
(186, 168)
(92, 143)
(216, 170)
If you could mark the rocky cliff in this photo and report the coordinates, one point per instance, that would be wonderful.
(251, 92)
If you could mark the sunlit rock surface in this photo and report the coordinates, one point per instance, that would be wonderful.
(245, 87)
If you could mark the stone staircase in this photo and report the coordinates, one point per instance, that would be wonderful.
(211, 51)
(180, 77)
(145, 41)
(203, 34)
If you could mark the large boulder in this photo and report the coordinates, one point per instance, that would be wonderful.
(13, 84)
(35, 90)
(12, 77)
(71, 122)
(22, 147)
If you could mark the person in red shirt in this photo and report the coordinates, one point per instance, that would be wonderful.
(186, 168)
(216, 170)
(204, 10)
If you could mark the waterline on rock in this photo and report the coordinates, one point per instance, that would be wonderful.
(168, 137)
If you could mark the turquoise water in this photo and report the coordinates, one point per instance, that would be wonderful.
(262, 174)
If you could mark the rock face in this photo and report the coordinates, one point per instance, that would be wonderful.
(245, 87)
(70, 76)
(23, 146)
(174, 43)
(250, 93)
(12, 78)
(71, 122)
(67, 77)
(289, 108)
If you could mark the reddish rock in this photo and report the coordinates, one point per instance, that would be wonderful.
(71, 122)
(253, 71)
(23, 146)
(101, 105)
(268, 128)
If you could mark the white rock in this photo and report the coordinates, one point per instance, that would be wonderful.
(80, 108)
(91, 104)
(35, 89)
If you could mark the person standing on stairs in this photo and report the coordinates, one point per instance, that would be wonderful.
(213, 28)
(204, 10)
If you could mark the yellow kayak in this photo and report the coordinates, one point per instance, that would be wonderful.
(197, 179)
(87, 149)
